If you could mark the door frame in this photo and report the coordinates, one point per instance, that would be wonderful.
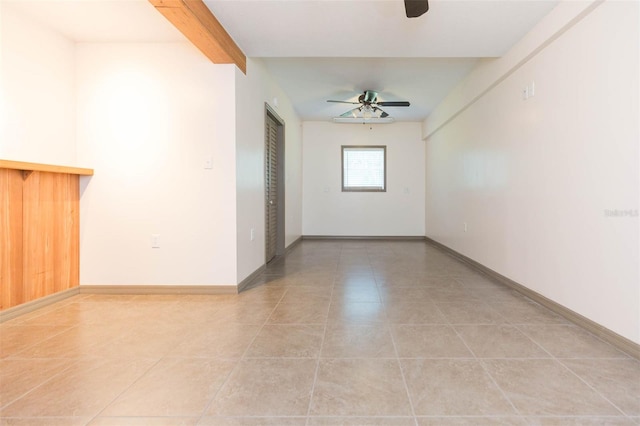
(280, 181)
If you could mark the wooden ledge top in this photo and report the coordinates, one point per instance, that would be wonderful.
(38, 167)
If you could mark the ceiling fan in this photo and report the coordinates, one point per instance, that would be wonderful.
(370, 106)
(415, 8)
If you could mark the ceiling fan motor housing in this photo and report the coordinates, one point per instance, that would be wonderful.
(369, 97)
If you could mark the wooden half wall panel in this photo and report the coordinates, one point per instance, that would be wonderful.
(50, 233)
(11, 288)
(40, 235)
(194, 19)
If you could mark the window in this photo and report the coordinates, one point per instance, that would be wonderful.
(364, 168)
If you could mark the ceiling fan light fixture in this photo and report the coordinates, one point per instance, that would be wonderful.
(367, 112)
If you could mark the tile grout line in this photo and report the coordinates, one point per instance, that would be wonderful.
(71, 364)
(324, 335)
(559, 361)
(239, 360)
(399, 364)
(125, 389)
(480, 361)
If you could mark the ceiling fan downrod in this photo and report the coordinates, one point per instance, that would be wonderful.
(416, 8)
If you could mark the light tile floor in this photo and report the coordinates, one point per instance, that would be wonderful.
(336, 333)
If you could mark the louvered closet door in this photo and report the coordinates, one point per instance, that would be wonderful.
(271, 179)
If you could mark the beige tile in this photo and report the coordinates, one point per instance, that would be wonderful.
(568, 341)
(356, 313)
(319, 278)
(144, 313)
(499, 341)
(469, 313)
(618, 380)
(77, 299)
(300, 313)
(414, 313)
(84, 390)
(83, 340)
(269, 281)
(253, 421)
(358, 341)
(263, 294)
(170, 317)
(313, 274)
(453, 388)
(472, 421)
(429, 341)
(19, 376)
(342, 274)
(356, 258)
(12, 322)
(173, 387)
(461, 271)
(216, 340)
(307, 294)
(390, 295)
(361, 421)
(355, 293)
(266, 387)
(546, 388)
(355, 280)
(44, 421)
(580, 421)
(15, 339)
(450, 293)
(69, 314)
(393, 275)
(106, 298)
(496, 295)
(157, 298)
(477, 281)
(362, 387)
(287, 340)
(187, 312)
(144, 421)
(244, 312)
(415, 280)
(149, 341)
(525, 312)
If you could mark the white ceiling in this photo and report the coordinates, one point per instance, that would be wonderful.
(424, 82)
(376, 28)
(327, 49)
(100, 20)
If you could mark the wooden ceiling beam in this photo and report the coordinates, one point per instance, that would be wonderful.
(194, 19)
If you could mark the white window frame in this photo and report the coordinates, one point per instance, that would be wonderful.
(343, 166)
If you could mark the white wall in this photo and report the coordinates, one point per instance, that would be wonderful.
(329, 211)
(146, 118)
(149, 116)
(252, 91)
(533, 179)
(37, 92)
